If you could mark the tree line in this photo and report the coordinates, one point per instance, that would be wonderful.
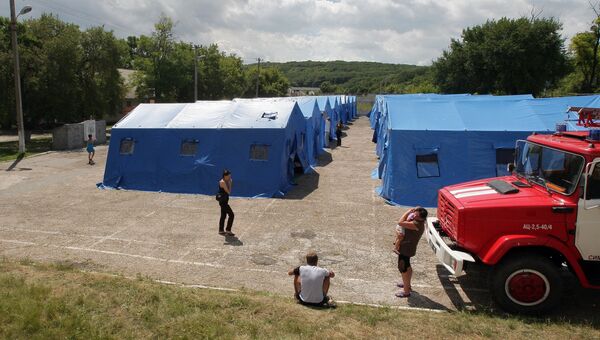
(69, 74)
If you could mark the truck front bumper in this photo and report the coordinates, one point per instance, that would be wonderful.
(453, 260)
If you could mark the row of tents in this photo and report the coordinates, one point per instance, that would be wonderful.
(427, 141)
(184, 148)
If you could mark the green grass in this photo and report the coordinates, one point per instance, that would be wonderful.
(58, 301)
(10, 150)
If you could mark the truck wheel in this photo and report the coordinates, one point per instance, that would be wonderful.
(526, 284)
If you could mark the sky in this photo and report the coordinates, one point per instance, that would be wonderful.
(390, 31)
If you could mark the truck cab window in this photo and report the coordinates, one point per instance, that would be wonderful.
(555, 169)
(593, 184)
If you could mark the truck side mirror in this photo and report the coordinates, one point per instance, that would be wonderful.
(592, 186)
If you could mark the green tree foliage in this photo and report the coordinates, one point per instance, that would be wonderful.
(584, 48)
(272, 82)
(507, 56)
(353, 76)
(166, 68)
(66, 75)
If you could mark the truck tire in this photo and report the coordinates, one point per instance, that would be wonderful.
(526, 284)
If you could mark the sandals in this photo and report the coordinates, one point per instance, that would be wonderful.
(402, 294)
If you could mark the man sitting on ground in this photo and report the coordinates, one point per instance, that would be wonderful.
(311, 283)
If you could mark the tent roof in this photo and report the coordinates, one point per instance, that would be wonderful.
(508, 113)
(322, 102)
(306, 103)
(263, 114)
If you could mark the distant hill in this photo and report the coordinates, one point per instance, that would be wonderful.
(350, 76)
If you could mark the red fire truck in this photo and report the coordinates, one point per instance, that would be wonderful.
(530, 227)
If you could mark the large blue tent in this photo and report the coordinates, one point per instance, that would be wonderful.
(327, 110)
(184, 148)
(425, 145)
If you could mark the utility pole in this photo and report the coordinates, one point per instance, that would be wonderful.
(13, 28)
(258, 77)
(195, 73)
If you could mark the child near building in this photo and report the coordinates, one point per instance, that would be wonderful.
(90, 150)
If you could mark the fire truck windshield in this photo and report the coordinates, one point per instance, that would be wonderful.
(553, 169)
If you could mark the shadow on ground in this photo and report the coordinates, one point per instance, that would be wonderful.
(233, 241)
(574, 306)
(325, 158)
(305, 185)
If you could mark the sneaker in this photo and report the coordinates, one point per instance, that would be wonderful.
(229, 233)
(222, 233)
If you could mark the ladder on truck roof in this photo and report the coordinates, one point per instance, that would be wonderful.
(589, 117)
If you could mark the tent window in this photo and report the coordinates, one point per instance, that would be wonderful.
(189, 148)
(427, 165)
(126, 147)
(259, 152)
(269, 115)
(504, 156)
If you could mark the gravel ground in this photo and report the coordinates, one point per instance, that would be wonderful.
(52, 211)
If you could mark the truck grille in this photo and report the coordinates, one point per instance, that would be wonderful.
(448, 216)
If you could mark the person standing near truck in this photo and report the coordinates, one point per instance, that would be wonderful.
(413, 230)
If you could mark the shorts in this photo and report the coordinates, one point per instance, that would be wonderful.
(90, 149)
(317, 304)
(403, 263)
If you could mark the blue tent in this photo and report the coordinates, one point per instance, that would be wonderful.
(184, 148)
(430, 144)
(314, 120)
(336, 107)
(327, 111)
(315, 127)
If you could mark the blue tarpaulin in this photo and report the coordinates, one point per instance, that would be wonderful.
(426, 142)
(184, 148)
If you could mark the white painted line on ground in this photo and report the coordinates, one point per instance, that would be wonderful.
(393, 307)
(150, 214)
(19, 242)
(80, 235)
(184, 255)
(196, 286)
(152, 258)
(32, 231)
(106, 237)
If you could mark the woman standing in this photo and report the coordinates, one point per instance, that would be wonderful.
(413, 230)
(223, 198)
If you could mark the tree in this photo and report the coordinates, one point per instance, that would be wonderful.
(326, 87)
(584, 48)
(272, 82)
(101, 84)
(66, 75)
(508, 56)
(166, 68)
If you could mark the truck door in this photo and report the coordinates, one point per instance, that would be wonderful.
(587, 237)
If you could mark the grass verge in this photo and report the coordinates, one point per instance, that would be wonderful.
(59, 301)
(10, 150)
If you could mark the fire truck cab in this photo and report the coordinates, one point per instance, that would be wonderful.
(530, 226)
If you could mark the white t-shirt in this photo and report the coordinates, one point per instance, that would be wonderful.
(311, 283)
